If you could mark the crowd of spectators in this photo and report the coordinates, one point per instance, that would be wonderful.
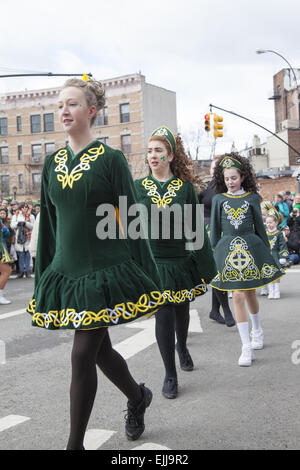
(288, 205)
(18, 220)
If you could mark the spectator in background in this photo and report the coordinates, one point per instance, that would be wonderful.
(13, 207)
(34, 240)
(293, 242)
(282, 208)
(288, 200)
(22, 222)
(37, 208)
(297, 201)
(292, 217)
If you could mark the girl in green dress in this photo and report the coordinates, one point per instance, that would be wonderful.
(85, 281)
(242, 249)
(279, 249)
(185, 268)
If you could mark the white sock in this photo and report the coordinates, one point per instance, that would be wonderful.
(277, 287)
(1, 292)
(255, 320)
(271, 288)
(243, 328)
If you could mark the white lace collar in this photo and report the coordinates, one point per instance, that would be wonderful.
(239, 192)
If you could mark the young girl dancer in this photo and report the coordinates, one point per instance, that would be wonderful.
(185, 271)
(219, 298)
(84, 281)
(242, 249)
(279, 249)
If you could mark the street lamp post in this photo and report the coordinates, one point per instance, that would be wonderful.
(263, 51)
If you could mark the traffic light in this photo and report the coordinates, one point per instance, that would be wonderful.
(207, 122)
(217, 126)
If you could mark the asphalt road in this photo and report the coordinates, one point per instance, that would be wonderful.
(220, 405)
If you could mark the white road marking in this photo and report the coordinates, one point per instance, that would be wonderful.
(11, 420)
(136, 343)
(95, 438)
(150, 446)
(142, 340)
(12, 314)
(195, 324)
(292, 271)
(2, 352)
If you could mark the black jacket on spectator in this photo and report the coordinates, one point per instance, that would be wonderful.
(293, 242)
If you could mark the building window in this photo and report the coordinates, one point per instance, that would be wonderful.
(126, 143)
(20, 181)
(35, 123)
(124, 113)
(3, 126)
(19, 124)
(102, 118)
(105, 116)
(49, 122)
(99, 121)
(36, 181)
(36, 152)
(3, 155)
(5, 184)
(20, 152)
(104, 140)
(49, 148)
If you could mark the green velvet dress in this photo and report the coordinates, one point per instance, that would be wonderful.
(279, 249)
(185, 268)
(83, 281)
(241, 245)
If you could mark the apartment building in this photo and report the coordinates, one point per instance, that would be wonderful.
(287, 119)
(29, 129)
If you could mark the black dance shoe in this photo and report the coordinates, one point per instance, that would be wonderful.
(229, 320)
(170, 387)
(186, 362)
(217, 317)
(134, 426)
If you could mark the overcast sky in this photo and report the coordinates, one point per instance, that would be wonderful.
(204, 51)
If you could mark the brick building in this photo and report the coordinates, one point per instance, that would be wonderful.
(287, 115)
(275, 163)
(29, 129)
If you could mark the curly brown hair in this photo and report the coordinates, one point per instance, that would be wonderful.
(181, 166)
(249, 183)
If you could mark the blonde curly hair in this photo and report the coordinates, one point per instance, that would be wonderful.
(93, 91)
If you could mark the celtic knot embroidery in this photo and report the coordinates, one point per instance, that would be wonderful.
(236, 216)
(70, 318)
(239, 264)
(156, 198)
(268, 270)
(68, 179)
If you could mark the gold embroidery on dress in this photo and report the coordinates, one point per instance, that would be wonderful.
(70, 318)
(273, 241)
(268, 270)
(68, 179)
(239, 264)
(236, 216)
(161, 201)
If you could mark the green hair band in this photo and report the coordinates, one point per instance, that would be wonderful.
(164, 131)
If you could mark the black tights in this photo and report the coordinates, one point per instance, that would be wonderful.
(171, 319)
(91, 348)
